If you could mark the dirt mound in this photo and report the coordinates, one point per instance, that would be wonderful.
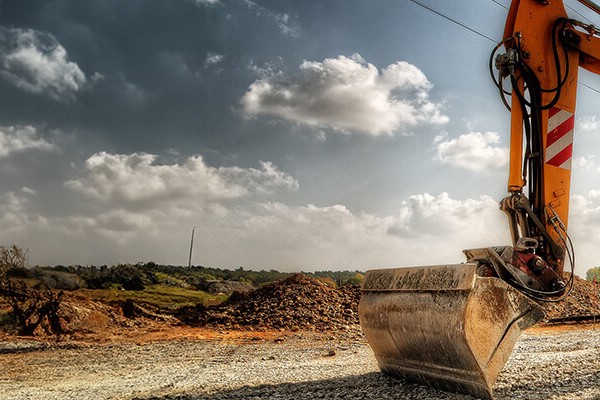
(301, 302)
(297, 302)
(78, 314)
(582, 302)
(81, 316)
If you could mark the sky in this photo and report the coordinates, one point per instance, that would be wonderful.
(288, 135)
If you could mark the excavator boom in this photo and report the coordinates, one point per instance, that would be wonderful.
(454, 326)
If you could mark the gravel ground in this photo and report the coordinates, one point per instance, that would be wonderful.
(562, 364)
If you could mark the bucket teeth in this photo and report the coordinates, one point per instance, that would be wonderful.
(443, 326)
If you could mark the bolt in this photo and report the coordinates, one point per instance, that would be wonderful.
(537, 265)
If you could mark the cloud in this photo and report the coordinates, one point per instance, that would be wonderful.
(347, 94)
(28, 191)
(474, 151)
(134, 203)
(14, 139)
(588, 125)
(36, 62)
(136, 209)
(206, 2)
(138, 181)
(585, 163)
(268, 69)
(16, 215)
(425, 217)
(213, 59)
(425, 230)
(584, 220)
(285, 24)
(585, 214)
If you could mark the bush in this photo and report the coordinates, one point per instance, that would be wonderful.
(57, 279)
(129, 277)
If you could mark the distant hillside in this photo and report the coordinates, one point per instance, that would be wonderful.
(137, 276)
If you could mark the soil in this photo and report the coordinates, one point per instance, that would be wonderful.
(296, 338)
(298, 303)
(292, 304)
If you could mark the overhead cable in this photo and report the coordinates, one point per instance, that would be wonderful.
(454, 21)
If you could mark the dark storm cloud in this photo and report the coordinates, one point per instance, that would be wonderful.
(164, 73)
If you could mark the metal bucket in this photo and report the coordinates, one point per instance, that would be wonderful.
(443, 326)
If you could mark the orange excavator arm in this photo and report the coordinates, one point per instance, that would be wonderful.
(544, 50)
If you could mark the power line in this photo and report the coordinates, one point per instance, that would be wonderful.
(589, 87)
(578, 13)
(588, 20)
(500, 4)
(454, 21)
(485, 36)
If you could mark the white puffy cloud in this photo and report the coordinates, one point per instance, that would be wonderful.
(136, 180)
(585, 214)
(131, 208)
(124, 206)
(15, 139)
(584, 220)
(589, 124)
(425, 230)
(36, 62)
(431, 215)
(347, 94)
(16, 215)
(474, 151)
(585, 163)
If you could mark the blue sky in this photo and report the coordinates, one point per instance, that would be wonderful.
(293, 135)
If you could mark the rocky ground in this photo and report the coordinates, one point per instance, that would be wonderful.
(293, 304)
(293, 339)
(557, 364)
(582, 301)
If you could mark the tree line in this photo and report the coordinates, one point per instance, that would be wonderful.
(136, 276)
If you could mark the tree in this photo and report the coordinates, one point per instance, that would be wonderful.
(593, 273)
(32, 303)
(356, 279)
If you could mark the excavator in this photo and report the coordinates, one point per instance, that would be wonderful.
(453, 327)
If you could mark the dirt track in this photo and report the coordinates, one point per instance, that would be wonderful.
(546, 364)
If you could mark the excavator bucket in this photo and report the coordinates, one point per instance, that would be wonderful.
(443, 326)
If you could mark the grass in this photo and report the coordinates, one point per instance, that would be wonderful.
(165, 297)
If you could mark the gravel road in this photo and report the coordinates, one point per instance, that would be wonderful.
(558, 365)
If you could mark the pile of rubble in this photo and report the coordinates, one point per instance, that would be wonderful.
(581, 304)
(296, 303)
(303, 303)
